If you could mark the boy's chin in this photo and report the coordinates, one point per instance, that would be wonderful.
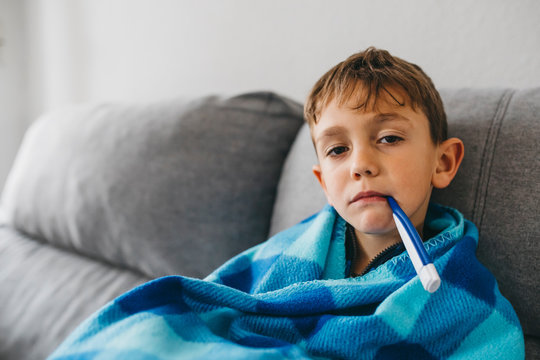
(375, 225)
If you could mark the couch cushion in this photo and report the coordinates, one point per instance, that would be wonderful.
(496, 186)
(299, 193)
(45, 293)
(170, 188)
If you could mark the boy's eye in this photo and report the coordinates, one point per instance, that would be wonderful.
(338, 150)
(390, 139)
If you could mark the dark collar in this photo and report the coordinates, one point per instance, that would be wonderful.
(351, 244)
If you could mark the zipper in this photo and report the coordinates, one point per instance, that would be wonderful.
(379, 259)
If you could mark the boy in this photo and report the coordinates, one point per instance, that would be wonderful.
(373, 139)
(339, 284)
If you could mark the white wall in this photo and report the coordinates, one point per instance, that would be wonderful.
(143, 50)
(12, 82)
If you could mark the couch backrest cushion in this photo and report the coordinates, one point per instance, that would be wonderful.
(497, 186)
(299, 194)
(172, 188)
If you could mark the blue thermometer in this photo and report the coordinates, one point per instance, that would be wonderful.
(415, 248)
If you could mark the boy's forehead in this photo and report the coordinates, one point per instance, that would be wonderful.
(361, 99)
(386, 106)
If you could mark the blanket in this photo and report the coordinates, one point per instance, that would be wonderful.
(289, 298)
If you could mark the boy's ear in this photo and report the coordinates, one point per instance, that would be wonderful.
(449, 158)
(318, 174)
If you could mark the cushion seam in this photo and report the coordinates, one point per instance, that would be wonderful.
(487, 157)
(75, 252)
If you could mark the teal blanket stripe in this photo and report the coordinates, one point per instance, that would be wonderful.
(289, 298)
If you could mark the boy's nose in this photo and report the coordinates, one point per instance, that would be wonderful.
(364, 164)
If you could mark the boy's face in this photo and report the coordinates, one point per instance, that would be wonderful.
(367, 155)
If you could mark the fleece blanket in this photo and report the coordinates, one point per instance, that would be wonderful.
(289, 298)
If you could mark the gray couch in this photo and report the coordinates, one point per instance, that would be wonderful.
(104, 197)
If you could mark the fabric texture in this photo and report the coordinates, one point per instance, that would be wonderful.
(497, 187)
(46, 292)
(137, 185)
(288, 298)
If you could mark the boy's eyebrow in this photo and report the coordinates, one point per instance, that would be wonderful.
(330, 132)
(378, 118)
(382, 117)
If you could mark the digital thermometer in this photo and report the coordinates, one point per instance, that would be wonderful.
(415, 248)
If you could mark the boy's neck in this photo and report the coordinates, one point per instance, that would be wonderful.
(369, 246)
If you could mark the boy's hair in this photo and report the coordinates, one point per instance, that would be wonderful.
(372, 71)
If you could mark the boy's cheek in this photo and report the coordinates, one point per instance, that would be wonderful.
(412, 193)
(321, 179)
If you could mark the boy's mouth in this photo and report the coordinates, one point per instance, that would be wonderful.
(368, 196)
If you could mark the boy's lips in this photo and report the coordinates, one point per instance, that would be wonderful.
(368, 196)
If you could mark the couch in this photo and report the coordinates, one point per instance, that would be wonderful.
(104, 197)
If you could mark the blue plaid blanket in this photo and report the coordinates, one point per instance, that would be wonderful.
(289, 298)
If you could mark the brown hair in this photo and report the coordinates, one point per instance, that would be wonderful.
(375, 70)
